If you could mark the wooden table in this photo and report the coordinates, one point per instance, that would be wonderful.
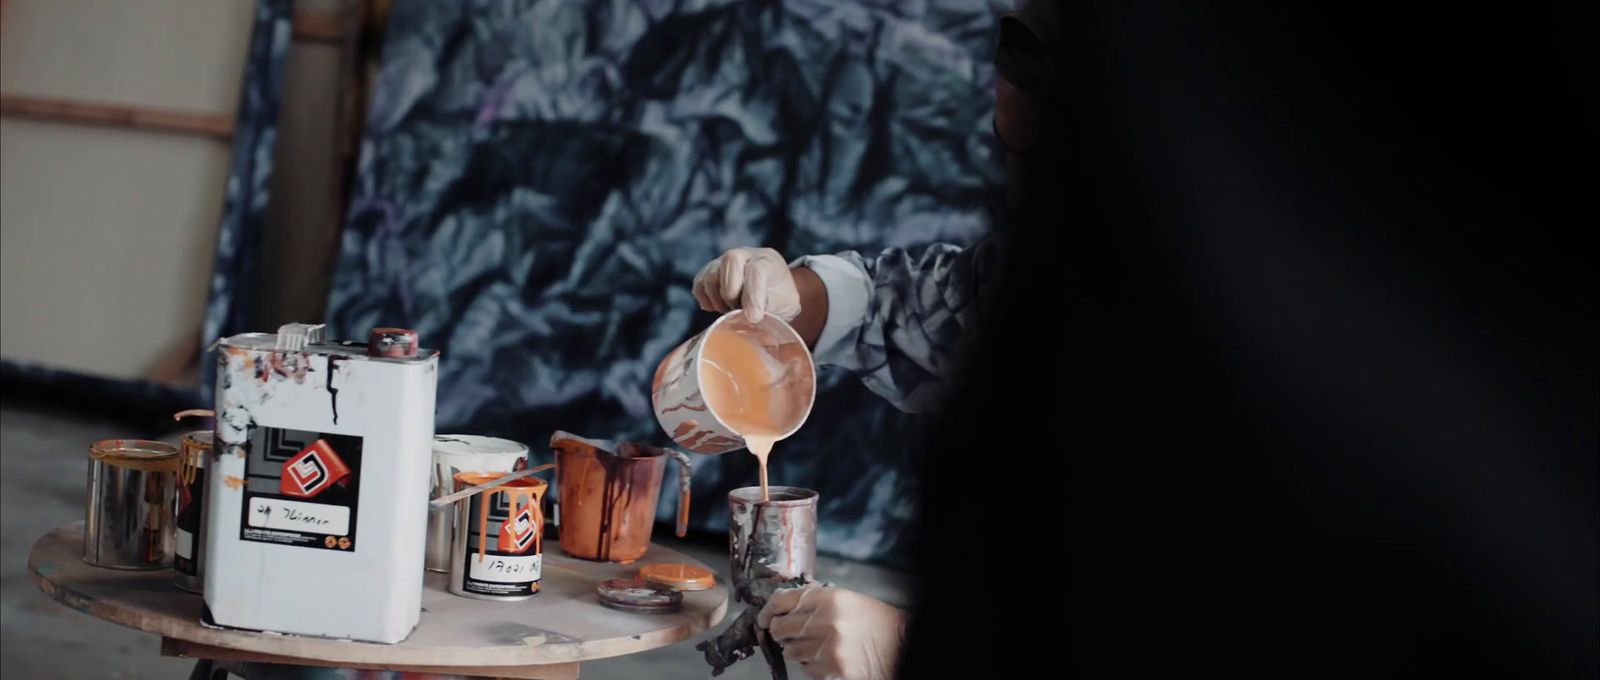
(546, 637)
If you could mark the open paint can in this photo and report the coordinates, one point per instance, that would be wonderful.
(773, 542)
(497, 552)
(456, 453)
(772, 545)
(128, 520)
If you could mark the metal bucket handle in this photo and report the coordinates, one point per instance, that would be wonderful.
(685, 470)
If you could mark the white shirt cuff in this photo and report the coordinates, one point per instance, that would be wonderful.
(849, 292)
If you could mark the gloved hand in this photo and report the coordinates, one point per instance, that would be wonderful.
(835, 633)
(756, 280)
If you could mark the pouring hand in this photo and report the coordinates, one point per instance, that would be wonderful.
(835, 633)
(756, 280)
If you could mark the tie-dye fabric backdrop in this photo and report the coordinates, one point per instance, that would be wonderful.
(541, 180)
(244, 210)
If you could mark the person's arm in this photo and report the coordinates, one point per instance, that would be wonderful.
(896, 319)
(813, 305)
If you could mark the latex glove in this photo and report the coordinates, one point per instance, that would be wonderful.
(756, 280)
(835, 633)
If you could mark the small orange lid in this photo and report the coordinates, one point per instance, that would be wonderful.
(679, 576)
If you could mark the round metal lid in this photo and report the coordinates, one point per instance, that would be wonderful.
(635, 595)
(679, 576)
(474, 444)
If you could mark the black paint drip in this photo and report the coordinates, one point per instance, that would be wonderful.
(333, 392)
(612, 487)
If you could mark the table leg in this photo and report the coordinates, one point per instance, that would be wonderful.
(206, 669)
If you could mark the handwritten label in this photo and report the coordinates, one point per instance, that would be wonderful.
(496, 569)
(276, 513)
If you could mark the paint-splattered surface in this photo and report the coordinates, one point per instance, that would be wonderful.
(562, 623)
(244, 211)
(41, 486)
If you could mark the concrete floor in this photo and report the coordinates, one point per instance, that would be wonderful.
(42, 472)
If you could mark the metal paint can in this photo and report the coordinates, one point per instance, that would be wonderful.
(771, 542)
(189, 511)
(497, 553)
(772, 545)
(316, 481)
(453, 453)
(128, 519)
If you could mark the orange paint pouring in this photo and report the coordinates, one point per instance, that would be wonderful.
(739, 386)
(529, 489)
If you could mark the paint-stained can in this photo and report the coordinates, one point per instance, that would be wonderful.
(771, 542)
(189, 511)
(128, 517)
(607, 491)
(497, 553)
(316, 485)
(453, 453)
(772, 545)
(694, 424)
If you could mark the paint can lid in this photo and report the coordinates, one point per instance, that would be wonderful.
(634, 595)
(394, 343)
(679, 576)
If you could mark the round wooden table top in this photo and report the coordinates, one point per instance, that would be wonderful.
(564, 623)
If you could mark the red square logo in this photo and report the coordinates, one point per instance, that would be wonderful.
(517, 532)
(311, 471)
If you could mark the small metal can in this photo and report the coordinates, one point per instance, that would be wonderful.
(453, 453)
(499, 539)
(189, 511)
(771, 542)
(128, 518)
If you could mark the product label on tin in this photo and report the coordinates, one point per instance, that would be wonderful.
(301, 489)
(191, 499)
(511, 562)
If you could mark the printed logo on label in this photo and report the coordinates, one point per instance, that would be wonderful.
(301, 488)
(312, 471)
(517, 533)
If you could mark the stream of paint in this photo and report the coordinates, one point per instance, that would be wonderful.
(739, 386)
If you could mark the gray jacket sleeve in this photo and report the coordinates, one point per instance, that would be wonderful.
(900, 320)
